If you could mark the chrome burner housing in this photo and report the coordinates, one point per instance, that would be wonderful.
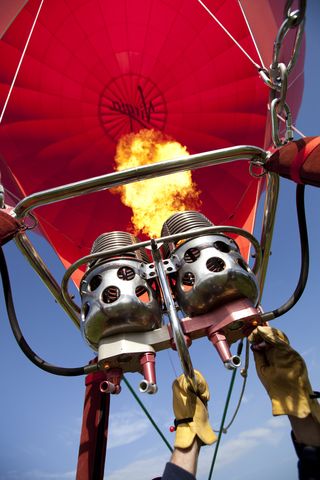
(115, 296)
(211, 271)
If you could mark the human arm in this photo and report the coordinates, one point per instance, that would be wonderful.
(183, 463)
(187, 458)
(284, 375)
(192, 428)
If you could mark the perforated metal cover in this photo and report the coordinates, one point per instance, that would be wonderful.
(212, 273)
(115, 299)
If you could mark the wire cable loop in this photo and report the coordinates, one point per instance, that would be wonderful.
(255, 163)
(275, 127)
(297, 16)
(34, 223)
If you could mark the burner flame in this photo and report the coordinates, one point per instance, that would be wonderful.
(153, 201)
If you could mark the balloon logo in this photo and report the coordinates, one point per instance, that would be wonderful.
(129, 103)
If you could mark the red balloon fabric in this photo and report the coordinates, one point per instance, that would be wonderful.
(95, 70)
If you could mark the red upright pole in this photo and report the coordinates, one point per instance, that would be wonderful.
(94, 433)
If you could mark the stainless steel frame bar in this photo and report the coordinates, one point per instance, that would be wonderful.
(110, 180)
(177, 332)
(31, 254)
(269, 217)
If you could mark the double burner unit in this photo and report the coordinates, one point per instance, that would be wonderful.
(202, 281)
(142, 297)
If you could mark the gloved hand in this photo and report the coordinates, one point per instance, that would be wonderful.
(283, 373)
(187, 404)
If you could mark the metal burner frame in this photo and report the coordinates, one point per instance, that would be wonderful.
(255, 155)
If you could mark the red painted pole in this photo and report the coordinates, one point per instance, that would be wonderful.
(94, 432)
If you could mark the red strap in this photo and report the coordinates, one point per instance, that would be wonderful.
(301, 157)
(9, 226)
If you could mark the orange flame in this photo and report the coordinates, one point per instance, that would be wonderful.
(154, 200)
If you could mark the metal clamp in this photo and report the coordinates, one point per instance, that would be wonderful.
(149, 271)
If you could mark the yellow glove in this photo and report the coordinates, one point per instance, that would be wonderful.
(283, 373)
(187, 404)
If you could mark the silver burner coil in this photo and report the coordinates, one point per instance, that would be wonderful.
(182, 222)
(110, 240)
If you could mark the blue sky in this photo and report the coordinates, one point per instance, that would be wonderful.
(41, 414)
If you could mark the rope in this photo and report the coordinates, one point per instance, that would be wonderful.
(222, 422)
(295, 129)
(251, 34)
(229, 35)
(147, 413)
(244, 373)
(20, 62)
(222, 429)
(172, 364)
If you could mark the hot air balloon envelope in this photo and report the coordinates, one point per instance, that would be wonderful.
(96, 70)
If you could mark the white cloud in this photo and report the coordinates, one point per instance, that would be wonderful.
(256, 433)
(55, 476)
(38, 475)
(70, 434)
(33, 451)
(308, 352)
(126, 427)
(280, 421)
(231, 451)
(141, 469)
(246, 399)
